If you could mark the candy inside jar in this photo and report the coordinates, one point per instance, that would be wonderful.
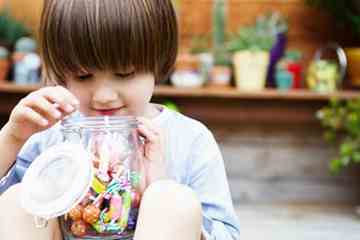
(106, 205)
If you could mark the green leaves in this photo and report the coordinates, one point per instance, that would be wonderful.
(10, 29)
(219, 23)
(199, 44)
(251, 38)
(341, 120)
(260, 36)
(343, 11)
(335, 166)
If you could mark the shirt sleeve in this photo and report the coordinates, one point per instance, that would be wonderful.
(28, 153)
(9, 179)
(15, 174)
(208, 179)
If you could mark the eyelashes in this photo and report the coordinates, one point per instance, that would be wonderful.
(125, 75)
(85, 77)
(121, 75)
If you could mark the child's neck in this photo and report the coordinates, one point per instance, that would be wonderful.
(152, 111)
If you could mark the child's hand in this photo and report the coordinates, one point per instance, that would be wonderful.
(40, 110)
(152, 152)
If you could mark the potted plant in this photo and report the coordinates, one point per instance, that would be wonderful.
(11, 30)
(191, 64)
(200, 49)
(288, 73)
(346, 12)
(220, 74)
(187, 71)
(276, 25)
(4, 63)
(251, 46)
(341, 120)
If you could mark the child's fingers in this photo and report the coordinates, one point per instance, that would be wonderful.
(66, 102)
(26, 114)
(71, 97)
(44, 107)
(149, 125)
(148, 134)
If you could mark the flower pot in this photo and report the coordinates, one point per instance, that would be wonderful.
(187, 72)
(353, 57)
(251, 69)
(206, 64)
(4, 63)
(284, 80)
(220, 76)
(4, 69)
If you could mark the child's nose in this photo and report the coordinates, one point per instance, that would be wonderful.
(104, 95)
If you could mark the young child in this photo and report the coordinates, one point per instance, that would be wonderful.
(104, 58)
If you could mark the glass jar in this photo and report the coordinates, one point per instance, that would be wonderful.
(106, 204)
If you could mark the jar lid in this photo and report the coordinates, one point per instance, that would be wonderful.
(98, 123)
(57, 180)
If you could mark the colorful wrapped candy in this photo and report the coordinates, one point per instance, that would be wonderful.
(78, 228)
(115, 207)
(91, 214)
(135, 199)
(98, 227)
(133, 218)
(123, 221)
(98, 186)
(76, 213)
(112, 203)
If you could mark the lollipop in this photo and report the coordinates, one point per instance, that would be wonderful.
(104, 153)
(99, 227)
(97, 185)
(115, 207)
(76, 213)
(132, 219)
(91, 214)
(135, 199)
(123, 221)
(78, 228)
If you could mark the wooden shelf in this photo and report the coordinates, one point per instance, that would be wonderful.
(14, 88)
(219, 92)
(223, 105)
(230, 92)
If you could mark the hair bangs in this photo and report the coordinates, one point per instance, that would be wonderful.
(81, 36)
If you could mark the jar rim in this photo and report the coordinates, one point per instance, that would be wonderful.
(99, 122)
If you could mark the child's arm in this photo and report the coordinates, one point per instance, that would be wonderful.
(207, 177)
(9, 147)
(34, 113)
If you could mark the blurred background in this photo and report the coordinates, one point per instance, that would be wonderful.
(278, 84)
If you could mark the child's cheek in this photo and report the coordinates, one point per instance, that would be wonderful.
(85, 101)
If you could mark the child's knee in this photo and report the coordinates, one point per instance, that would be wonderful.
(13, 217)
(10, 205)
(10, 200)
(178, 199)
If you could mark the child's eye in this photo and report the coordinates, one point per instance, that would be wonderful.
(125, 75)
(85, 77)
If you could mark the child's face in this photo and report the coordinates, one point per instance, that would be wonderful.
(116, 94)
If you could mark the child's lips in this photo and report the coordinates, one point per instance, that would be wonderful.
(107, 112)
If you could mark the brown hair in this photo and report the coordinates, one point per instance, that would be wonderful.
(85, 35)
